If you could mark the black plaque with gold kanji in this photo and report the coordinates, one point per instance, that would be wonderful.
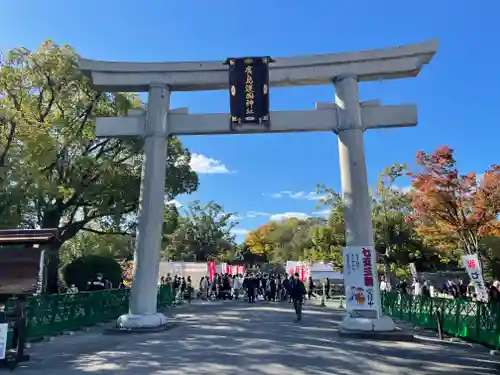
(249, 90)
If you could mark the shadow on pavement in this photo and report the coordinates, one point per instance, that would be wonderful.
(235, 337)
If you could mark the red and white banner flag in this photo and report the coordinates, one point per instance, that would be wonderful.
(211, 270)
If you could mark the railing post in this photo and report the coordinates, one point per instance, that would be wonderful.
(410, 307)
(439, 324)
(479, 313)
(457, 317)
(495, 309)
(402, 301)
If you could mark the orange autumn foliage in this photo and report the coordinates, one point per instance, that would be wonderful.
(491, 229)
(451, 208)
(256, 240)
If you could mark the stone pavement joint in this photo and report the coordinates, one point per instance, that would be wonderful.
(234, 337)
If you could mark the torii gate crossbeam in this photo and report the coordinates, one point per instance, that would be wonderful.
(347, 117)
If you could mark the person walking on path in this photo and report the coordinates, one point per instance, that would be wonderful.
(310, 288)
(297, 293)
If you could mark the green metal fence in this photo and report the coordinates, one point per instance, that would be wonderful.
(464, 318)
(48, 315)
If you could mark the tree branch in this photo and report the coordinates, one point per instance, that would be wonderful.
(107, 232)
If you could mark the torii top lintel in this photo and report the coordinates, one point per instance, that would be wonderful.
(371, 65)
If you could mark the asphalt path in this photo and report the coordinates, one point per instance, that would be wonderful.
(235, 337)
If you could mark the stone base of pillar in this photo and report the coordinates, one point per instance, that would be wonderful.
(382, 329)
(382, 324)
(139, 322)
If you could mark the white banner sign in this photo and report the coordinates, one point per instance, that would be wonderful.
(4, 328)
(177, 269)
(41, 282)
(413, 271)
(471, 264)
(360, 278)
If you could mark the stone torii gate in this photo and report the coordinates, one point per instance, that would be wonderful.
(347, 117)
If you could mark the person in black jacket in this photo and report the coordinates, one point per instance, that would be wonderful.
(99, 283)
(297, 293)
(286, 288)
(250, 284)
(310, 288)
(272, 288)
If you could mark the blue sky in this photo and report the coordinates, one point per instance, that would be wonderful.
(456, 93)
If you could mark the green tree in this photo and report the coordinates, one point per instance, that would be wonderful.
(55, 173)
(279, 241)
(204, 231)
(396, 240)
(83, 269)
(324, 247)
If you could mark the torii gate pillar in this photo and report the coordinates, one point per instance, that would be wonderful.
(355, 192)
(143, 309)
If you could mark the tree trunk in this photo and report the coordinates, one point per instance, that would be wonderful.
(51, 219)
(53, 261)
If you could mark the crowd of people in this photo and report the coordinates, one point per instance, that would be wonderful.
(451, 288)
(255, 286)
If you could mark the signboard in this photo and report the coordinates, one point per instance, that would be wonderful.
(249, 91)
(4, 328)
(360, 281)
(41, 279)
(473, 267)
(178, 269)
(20, 269)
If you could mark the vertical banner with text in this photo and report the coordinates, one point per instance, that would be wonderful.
(211, 270)
(41, 274)
(249, 90)
(413, 271)
(361, 281)
(473, 267)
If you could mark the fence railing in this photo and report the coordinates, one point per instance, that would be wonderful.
(470, 320)
(49, 315)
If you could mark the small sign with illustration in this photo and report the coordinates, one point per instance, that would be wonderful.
(360, 278)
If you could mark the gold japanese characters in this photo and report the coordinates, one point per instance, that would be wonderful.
(249, 90)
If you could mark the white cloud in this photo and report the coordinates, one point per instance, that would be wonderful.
(322, 213)
(205, 165)
(403, 189)
(239, 231)
(288, 215)
(175, 202)
(310, 196)
(253, 214)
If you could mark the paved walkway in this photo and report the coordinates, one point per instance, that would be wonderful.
(233, 337)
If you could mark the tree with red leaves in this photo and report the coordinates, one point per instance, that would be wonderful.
(451, 208)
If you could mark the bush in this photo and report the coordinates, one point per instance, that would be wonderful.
(85, 268)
